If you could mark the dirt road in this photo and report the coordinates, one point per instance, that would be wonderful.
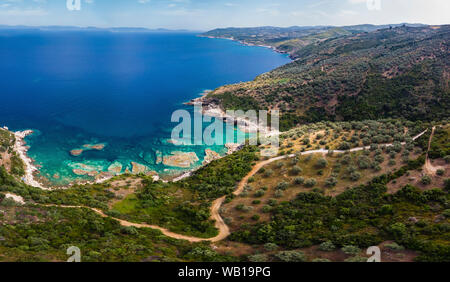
(143, 225)
(224, 230)
(429, 168)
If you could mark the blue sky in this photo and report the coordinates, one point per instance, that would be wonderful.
(208, 14)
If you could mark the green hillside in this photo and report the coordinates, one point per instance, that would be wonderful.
(388, 73)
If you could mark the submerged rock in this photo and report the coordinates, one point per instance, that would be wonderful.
(115, 168)
(137, 168)
(87, 147)
(76, 152)
(210, 156)
(181, 159)
(81, 172)
(173, 142)
(81, 169)
(98, 147)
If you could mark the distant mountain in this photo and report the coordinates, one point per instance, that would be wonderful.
(89, 28)
(391, 72)
(291, 39)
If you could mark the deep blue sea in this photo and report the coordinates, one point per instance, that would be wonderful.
(115, 88)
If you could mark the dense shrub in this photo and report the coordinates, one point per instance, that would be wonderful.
(331, 182)
(299, 181)
(296, 170)
(351, 250)
(270, 247)
(291, 256)
(282, 186)
(258, 258)
(310, 182)
(426, 180)
(322, 163)
(327, 246)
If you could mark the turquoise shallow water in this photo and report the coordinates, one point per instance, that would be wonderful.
(117, 89)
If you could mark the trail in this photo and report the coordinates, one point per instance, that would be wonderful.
(429, 168)
(224, 230)
(143, 225)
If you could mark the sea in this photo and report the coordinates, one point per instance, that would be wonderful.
(110, 95)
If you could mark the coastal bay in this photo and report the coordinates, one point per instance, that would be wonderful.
(91, 122)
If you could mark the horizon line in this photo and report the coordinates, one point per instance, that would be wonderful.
(202, 30)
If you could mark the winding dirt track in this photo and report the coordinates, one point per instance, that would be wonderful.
(429, 168)
(224, 230)
(141, 225)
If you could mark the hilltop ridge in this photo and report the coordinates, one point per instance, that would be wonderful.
(387, 73)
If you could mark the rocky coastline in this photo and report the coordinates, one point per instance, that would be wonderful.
(178, 159)
(273, 48)
(211, 108)
(21, 149)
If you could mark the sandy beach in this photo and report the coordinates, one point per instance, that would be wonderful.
(211, 110)
(21, 149)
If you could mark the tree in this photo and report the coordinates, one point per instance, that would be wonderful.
(291, 256)
(296, 170)
(310, 182)
(279, 194)
(266, 209)
(426, 180)
(327, 246)
(399, 230)
(282, 186)
(299, 180)
(258, 258)
(447, 184)
(256, 217)
(344, 146)
(322, 163)
(270, 247)
(397, 147)
(351, 250)
(355, 176)
(259, 193)
(346, 160)
(268, 173)
(331, 182)
(364, 162)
